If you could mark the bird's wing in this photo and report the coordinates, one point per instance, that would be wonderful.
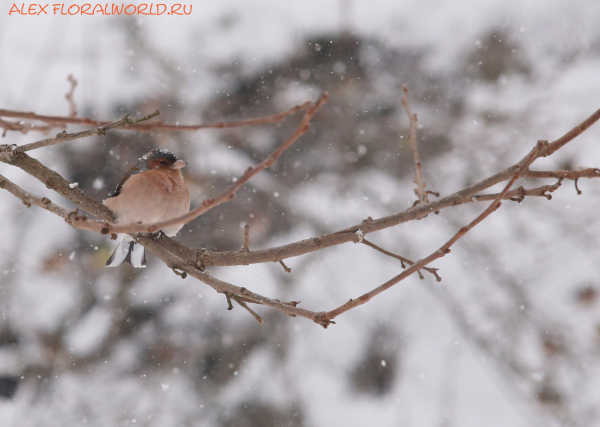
(133, 171)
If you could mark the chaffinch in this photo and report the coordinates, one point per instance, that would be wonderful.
(151, 191)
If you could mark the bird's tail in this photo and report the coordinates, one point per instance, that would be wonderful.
(128, 251)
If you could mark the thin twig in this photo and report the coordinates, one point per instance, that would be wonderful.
(324, 318)
(64, 136)
(69, 96)
(246, 237)
(418, 179)
(579, 192)
(401, 258)
(157, 125)
(285, 267)
(516, 195)
(252, 312)
(229, 193)
(229, 304)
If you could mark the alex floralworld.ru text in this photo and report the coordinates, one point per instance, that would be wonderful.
(99, 9)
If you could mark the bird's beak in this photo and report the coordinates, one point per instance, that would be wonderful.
(179, 164)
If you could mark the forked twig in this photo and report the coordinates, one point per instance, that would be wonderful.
(325, 317)
(402, 259)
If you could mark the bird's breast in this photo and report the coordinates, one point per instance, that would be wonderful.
(151, 196)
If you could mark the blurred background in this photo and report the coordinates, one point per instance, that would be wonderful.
(511, 336)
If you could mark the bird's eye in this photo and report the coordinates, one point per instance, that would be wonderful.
(163, 163)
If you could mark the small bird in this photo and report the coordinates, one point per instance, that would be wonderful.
(151, 191)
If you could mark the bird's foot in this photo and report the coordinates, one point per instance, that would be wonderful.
(158, 235)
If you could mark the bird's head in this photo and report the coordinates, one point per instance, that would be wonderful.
(160, 158)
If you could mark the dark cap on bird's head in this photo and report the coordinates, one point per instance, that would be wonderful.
(159, 158)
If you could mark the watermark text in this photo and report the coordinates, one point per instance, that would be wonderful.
(154, 9)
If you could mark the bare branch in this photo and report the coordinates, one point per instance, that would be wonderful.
(285, 267)
(571, 135)
(7, 152)
(190, 261)
(71, 217)
(241, 302)
(209, 258)
(69, 96)
(582, 173)
(57, 183)
(157, 125)
(206, 258)
(402, 259)
(229, 258)
(24, 127)
(228, 194)
(172, 260)
(418, 179)
(516, 195)
(445, 249)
